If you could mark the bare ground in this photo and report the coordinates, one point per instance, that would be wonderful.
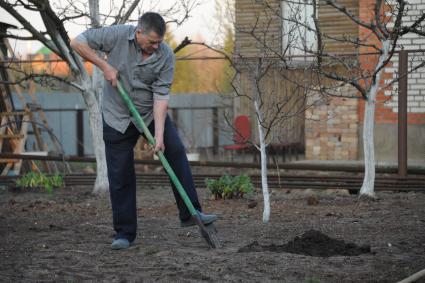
(66, 237)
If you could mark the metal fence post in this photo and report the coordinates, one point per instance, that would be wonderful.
(80, 132)
(215, 129)
(402, 113)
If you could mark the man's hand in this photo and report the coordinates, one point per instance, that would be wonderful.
(159, 144)
(159, 115)
(85, 51)
(110, 74)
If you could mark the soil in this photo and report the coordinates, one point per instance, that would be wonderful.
(311, 243)
(66, 236)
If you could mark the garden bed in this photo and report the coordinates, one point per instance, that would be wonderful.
(66, 236)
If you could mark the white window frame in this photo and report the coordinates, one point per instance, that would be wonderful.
(298, 39)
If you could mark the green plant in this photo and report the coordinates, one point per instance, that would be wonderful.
(230, 187)
(40, 180)
(220, 188)
(226, 187)
(243, 185)
(57, 180)
(213, 186)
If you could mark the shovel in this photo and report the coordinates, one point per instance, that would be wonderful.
(207, 231)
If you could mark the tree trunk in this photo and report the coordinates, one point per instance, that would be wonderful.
(95, 116)
(95, 119)
(264, 184)
(368, 186)
(368, 147)
(96, 127)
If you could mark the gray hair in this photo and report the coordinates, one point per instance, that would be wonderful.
(151, 21)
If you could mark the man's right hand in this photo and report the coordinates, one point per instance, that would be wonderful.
(111, 75)
(85, 51)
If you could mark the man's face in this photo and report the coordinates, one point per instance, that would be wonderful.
(148, 42)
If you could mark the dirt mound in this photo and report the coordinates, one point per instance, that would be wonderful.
(311, 243)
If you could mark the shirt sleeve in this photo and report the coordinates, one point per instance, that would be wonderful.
(161, 87)
(81, 38)
(103, 39)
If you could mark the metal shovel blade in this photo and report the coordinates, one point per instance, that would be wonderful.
(209, 233)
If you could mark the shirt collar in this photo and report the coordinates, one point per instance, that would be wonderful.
(132, 34)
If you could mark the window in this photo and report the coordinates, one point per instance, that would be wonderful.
(297, 16)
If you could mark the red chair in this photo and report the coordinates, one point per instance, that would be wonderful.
(242, 134)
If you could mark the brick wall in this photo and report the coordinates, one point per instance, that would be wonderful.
(416, 80)
(331, 127)
(386, 131)
(387, 100)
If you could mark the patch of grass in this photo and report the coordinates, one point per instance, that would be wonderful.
(40, 180)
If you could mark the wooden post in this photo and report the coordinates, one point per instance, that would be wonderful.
(18, 147)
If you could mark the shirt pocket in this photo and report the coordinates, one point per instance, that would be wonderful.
(145, 75)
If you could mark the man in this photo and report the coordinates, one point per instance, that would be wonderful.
(145, 65)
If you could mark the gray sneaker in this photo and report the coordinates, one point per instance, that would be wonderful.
(120, 244)
(205, 218)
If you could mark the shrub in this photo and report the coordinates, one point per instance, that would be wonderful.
(40, 180)
(230, 187)
(243, 184)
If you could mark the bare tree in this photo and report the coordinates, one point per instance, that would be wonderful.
(56, 38)
(375, 42)
(273, 109)
(267, 85)
(381, 34)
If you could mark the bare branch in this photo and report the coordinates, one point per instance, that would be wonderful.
(350, 15)
(9, 35)
(179, 13)
(394, 35)
(378, 20)
(127, 14)
(59, 35)
(413, 28)
(186, 41)
(404, 75)
(38, 35)
(43, 79)
(68, 18)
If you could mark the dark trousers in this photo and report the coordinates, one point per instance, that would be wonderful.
(119, 150)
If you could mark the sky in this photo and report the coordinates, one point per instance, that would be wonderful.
(201, 24)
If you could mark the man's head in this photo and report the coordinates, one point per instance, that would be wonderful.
(150, 31)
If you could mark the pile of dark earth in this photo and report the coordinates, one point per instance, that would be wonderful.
(311, 243)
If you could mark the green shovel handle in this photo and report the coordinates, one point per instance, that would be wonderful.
(160, 154)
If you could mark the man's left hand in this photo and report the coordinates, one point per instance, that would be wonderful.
(159, 144)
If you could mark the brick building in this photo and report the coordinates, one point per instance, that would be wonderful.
(331, 129)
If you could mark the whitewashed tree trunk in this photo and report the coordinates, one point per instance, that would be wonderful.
(95, 116)
(96, 125)
(89, 90)
(368, 147)
(263, 154)
(368, 186)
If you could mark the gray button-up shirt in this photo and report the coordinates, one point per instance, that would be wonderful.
(144, 80)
